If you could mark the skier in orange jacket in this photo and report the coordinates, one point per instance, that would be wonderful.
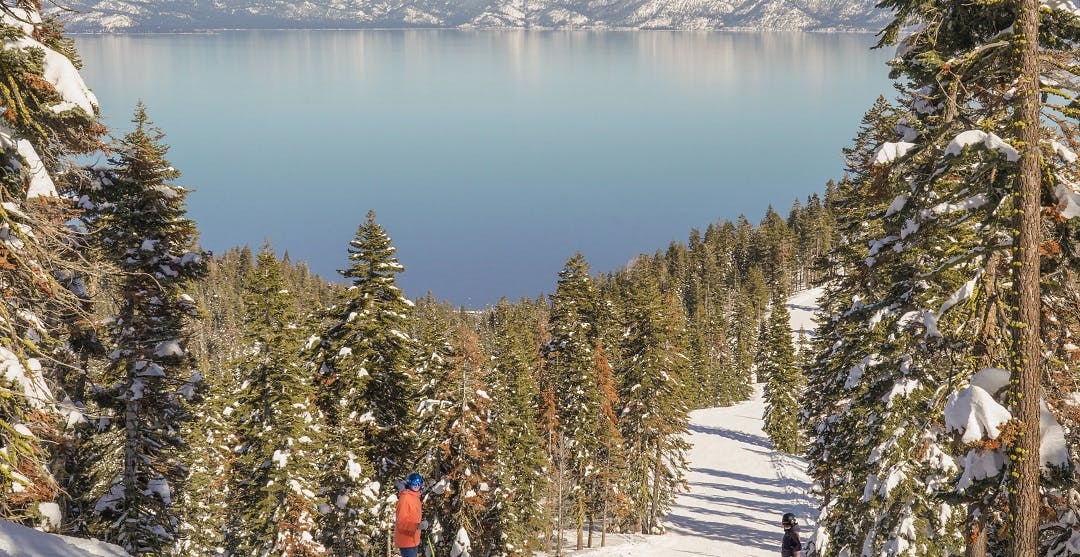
(408, 522)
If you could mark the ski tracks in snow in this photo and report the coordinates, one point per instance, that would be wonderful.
(739, 488)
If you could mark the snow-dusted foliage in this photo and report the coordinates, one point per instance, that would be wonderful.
(910, 453)
(569, 360)
(519, 460)
(653, 415)
(47, 120)
(274, 477)
(141, 225)
(777, 367)
(464, 461)
(367, 393)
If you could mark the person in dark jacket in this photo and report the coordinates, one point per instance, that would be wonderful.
(792, 545)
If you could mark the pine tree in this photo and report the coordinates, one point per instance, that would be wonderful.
(783, 378)
(578, 400)
(463, 466)
(274, 477)
(142, 228)
(209, 457)
(654, 417)
(936, 301)
(367, 393)
(519, 455)
(44, 127)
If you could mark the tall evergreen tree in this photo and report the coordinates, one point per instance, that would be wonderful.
(938, 293)
(143, 229)
(778, 368)
(654, 417)
(519, 455)
(275, 474)
(366, 392)
(578, 400)
(463, 467)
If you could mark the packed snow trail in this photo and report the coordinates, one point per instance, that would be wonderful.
(739, 488)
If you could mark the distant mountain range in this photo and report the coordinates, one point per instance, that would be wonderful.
(197, 15)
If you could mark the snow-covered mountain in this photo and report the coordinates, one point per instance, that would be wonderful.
(193, 15)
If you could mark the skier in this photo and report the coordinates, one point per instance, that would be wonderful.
(791, 546)
(408, 523)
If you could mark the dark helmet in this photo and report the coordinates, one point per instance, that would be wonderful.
(788, 520)
(414, 480)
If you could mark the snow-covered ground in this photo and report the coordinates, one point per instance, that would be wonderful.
(739, 488)
(802, 307)
(20, 541)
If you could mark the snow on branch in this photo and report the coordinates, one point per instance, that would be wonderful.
(975, 414)
(989, 140)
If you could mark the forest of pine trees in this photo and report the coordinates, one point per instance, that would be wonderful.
(177, 402)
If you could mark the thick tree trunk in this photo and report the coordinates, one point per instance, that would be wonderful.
(588, 543)
(976, 534)
(1025, 511)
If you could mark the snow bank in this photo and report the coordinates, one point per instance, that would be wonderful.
(20, 541)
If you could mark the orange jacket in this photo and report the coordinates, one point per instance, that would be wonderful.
(407, 525)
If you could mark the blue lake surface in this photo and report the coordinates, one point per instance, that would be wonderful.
(489, 157)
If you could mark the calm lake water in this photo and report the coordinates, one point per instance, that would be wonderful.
(489, 157)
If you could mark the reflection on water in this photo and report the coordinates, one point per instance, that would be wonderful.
(490, 157)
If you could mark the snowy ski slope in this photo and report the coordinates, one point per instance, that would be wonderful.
(739, 488)
(739, 485)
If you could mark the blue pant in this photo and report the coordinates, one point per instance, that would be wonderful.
(408, 551)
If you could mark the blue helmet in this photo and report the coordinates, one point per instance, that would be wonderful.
(414, 480)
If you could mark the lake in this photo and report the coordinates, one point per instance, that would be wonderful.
(489, 157)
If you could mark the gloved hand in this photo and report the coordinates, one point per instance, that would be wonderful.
(423, 525)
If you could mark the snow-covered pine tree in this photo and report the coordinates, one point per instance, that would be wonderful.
(141, 226)
(938, 291)
(570, 362)
(211, 436)
(519, 454)
(367, 392)
(779, 369)
(654, 416)
(274, 476)
(50, 116)
(463, 468)
(608, 501)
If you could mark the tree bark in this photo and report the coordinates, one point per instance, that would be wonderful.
(1025, 511)
(976, 534)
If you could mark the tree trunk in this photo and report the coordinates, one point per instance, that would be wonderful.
(603, 524)
(580, 519)
(976, 534)
(1025, 511)
(559, 507)
(656, 488)
(591, 520)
